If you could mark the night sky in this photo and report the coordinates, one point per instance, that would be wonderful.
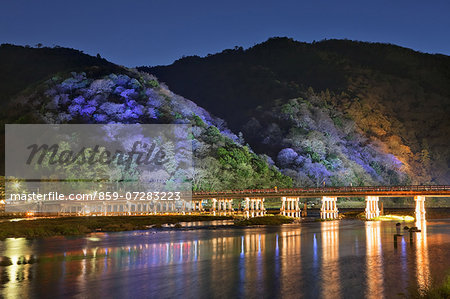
(149, 32)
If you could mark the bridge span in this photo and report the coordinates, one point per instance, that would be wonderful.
(290, 198)
(221, 202)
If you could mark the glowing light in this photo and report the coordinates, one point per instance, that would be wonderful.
(374, 261)
(277, 246)
(16, 185)
(395, 217)
(422, 259)
(331, 286)
(94, 239)
(259, 244)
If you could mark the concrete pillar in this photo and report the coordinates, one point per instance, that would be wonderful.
(252, 207)
(230, 205)
(329, 208)
(214, 206)
(293, 203)
(420, 207)
(263, 210)
(225, 206)
(259, 207)
(372, 210)
(290, 206)
(247, 207)
(291, 214)
(283, 206)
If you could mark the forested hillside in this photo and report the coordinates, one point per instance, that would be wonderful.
(23, 67)
(328, 113)
(105, 93)
(383, 99)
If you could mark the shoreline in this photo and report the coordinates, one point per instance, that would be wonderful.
(82, 225)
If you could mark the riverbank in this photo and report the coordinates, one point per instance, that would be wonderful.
(69, 226)
(72, 226)
(431, 213)
(442, 291)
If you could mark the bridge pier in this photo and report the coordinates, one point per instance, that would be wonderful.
(196, 206)
(372, 210)
(214, 201)
(254, 207)
(225, 206)
(420, 207)
(290, 207)
(230, 206)
(329, 208)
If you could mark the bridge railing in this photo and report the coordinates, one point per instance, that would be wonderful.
(350, 189)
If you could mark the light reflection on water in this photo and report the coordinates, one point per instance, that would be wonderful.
(374, 260)
(336, 259)
(422, 261)
(330, 260)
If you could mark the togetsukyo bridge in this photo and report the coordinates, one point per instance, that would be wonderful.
(221, 202)
(290, 199)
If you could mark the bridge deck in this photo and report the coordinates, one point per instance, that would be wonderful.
(380, 191)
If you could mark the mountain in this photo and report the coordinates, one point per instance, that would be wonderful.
(56, 85)
(336, 111)
(23, 67)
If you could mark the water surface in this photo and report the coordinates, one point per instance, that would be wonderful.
(337, 259)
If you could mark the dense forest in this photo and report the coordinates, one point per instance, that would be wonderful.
(98, 95)
(282, 113)
(398, 101)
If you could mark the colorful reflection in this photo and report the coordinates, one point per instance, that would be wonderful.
(19, 274)
(330, 259)
(374, 260)
(422, 259)
(310, 260)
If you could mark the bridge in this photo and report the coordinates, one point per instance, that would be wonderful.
(290, 198)
(221, 202)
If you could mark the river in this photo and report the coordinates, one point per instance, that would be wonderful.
(336, 259)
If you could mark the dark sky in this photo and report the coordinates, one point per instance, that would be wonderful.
(152, 32)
